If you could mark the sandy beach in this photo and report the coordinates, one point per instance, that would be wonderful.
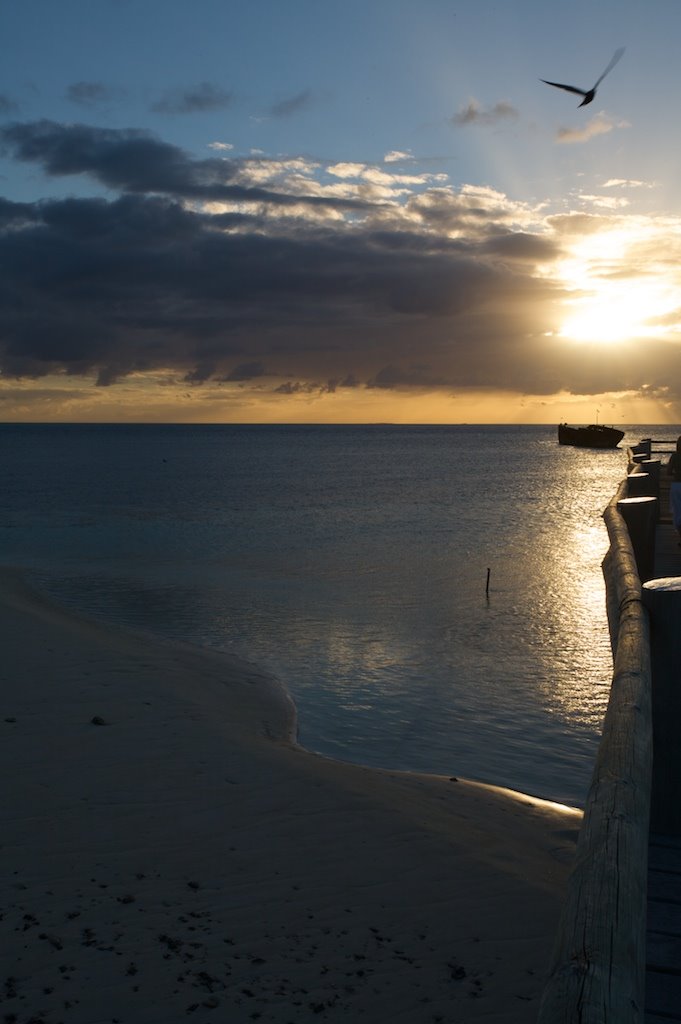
(170, 854)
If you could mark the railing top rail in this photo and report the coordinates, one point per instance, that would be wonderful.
(654, 446)
(669, 441)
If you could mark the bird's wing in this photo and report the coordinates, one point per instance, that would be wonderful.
(615, 57)
(570, 88)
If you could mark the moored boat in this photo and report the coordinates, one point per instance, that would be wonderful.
(594, 436)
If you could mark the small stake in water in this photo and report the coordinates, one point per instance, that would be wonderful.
(487, 587)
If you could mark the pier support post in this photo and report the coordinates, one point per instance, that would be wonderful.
(662, 598)
(643, 449)
(652, 468)
(640, 485)
(640, 515)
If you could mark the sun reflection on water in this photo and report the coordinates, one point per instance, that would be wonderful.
(363, 587)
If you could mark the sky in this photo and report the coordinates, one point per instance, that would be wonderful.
(328, 212)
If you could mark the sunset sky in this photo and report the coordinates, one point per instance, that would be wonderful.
(357, 211)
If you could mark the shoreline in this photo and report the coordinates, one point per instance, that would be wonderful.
(172, 853)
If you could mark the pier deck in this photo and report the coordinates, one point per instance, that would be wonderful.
(663, 953)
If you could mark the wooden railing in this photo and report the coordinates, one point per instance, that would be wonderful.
(597, 974)
(651, 447)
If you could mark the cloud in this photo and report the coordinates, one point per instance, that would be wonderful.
(17, 214)
(136, 161)
(521, 245)
(628, 183)
(605, 202)
(196, 100)
(300, 388)
(397, 156)
(598, 125)
(292, 105)
(246, 371)
(221, 147)
(474, 113)
(291, 276)
(400, 377)
(577, 225)
(113, 287)
(333, 385)
(91, 94)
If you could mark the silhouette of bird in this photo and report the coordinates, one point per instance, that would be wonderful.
(588, 94)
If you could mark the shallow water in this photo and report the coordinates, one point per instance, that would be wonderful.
(352, 562)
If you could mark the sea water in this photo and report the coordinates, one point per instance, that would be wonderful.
(432, 597)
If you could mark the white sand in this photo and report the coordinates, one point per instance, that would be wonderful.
(186, 861)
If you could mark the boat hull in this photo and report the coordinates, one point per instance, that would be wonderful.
(593, 436)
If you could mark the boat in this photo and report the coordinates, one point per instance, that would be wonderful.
(594, 436)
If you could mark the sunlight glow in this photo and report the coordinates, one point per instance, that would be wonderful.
(615, 300)
(618, 311)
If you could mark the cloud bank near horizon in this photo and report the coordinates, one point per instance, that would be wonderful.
(292, 274)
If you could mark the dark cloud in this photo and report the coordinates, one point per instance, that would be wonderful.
(292, 105)
(131, 160)
(197, 100)
(520, 245)
(395, 377)
(465, 213)
(91, 94)
(246, 371)
(297, 388)
(17, 214)
(141, 282)
(436, 290)
(202, 372)
(474, 113)
(350, 381)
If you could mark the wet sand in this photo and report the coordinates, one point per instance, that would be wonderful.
(170, 854)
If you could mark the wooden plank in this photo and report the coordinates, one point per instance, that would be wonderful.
(664, 954)
(664, 917)
(662, 858)
(667, 551)
(664, 886)
(662, 598)
(665, 852)
(663, 995)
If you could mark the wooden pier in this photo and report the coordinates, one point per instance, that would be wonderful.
(663, 945)
(663, 937)
(617, 956)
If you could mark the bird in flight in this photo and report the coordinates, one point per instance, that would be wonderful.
(588, 94)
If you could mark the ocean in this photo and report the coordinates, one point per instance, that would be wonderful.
(431, 597)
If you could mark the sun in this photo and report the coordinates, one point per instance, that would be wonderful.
(611, 297)
(613, 313)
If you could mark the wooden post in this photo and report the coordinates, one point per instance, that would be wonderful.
(652, 468)
(640, 515)
(639, 485)
(662, 598)
(597, 975)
